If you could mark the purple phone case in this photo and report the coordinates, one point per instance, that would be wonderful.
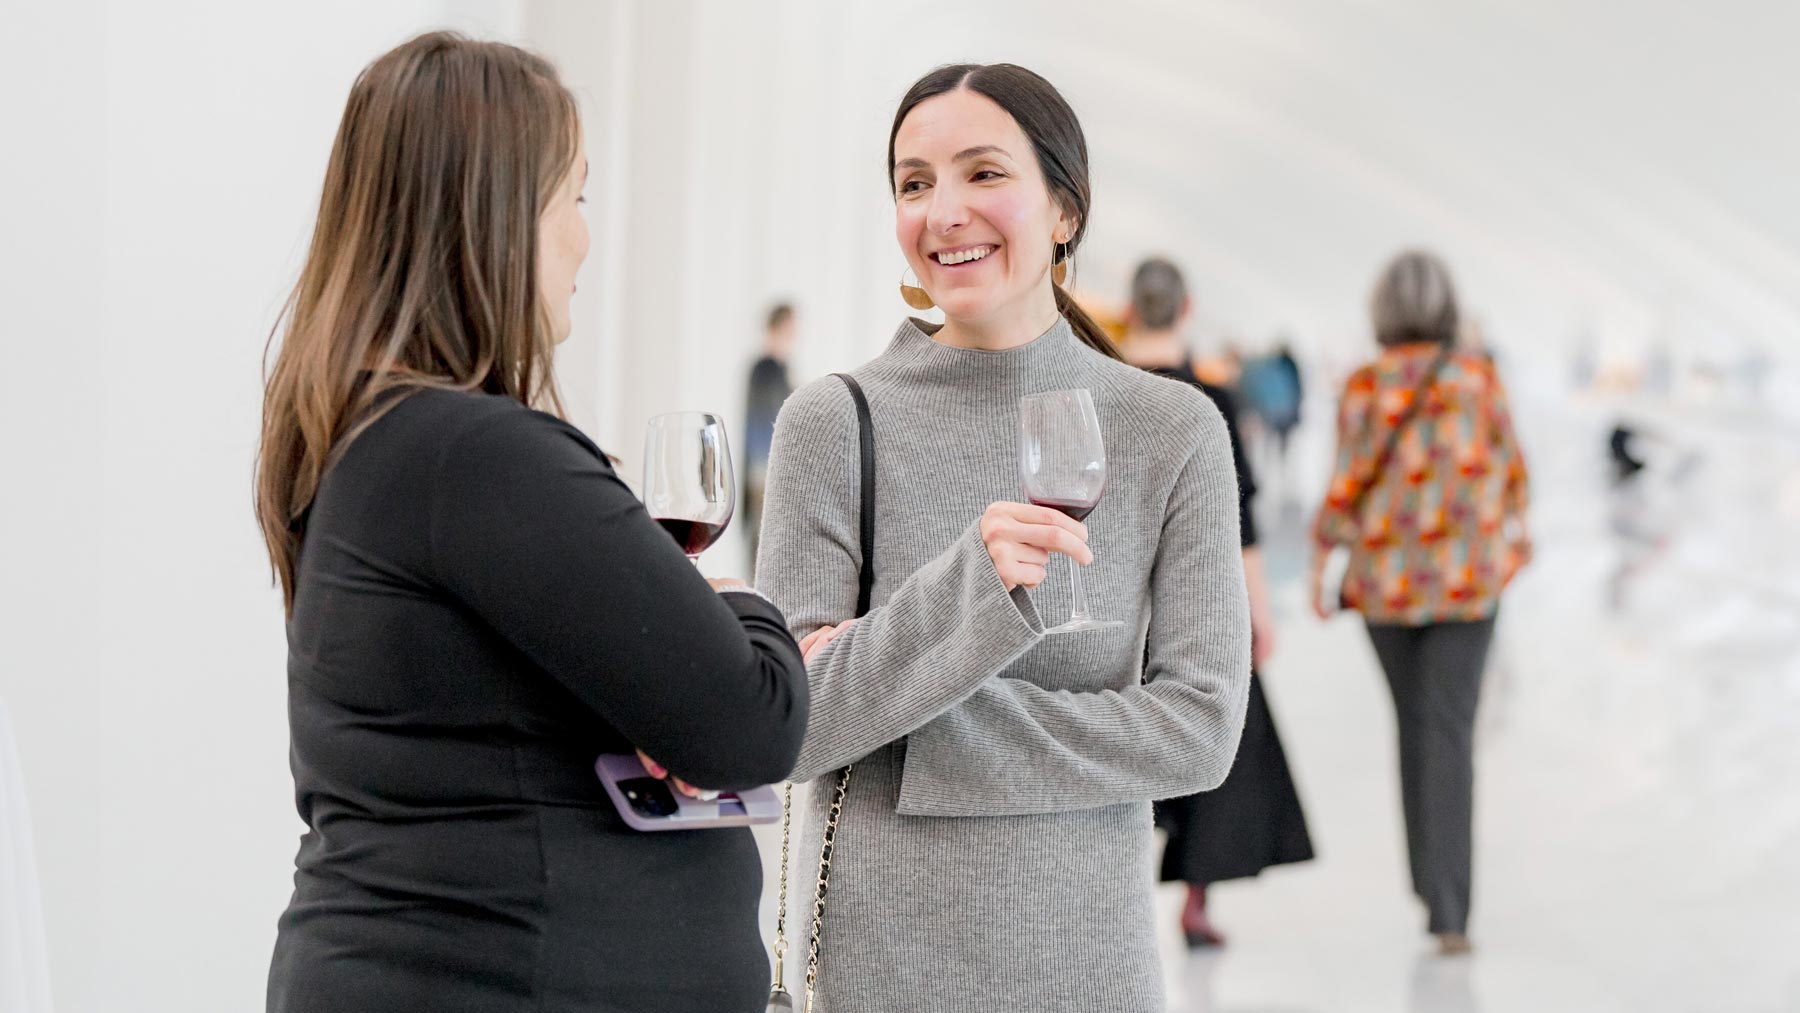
(738, 809)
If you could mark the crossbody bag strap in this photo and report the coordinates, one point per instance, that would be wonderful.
(1393, 439)
(865, 429)
(779, 1000)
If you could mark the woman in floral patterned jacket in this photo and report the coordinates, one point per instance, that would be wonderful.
(1429, 497)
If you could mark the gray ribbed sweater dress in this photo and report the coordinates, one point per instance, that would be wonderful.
(994, 852)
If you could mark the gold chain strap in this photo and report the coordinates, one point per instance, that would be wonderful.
(830, 837)
(824, 883)
(787, 811)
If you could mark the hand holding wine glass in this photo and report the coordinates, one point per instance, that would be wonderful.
(688, 485)
(1020, 539)
(1062, 466)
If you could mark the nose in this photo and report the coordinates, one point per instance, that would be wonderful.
(948, 211)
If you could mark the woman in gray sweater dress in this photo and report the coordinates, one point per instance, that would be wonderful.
(994, 848)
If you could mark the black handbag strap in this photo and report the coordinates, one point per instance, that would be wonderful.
(1393, 439)
(866, 432)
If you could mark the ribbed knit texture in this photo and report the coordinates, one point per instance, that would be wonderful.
(994, 852)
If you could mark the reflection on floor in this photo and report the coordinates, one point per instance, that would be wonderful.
(1638, 796)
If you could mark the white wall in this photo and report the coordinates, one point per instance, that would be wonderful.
(51, 234)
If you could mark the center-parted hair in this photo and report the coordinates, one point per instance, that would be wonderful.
(1056, 139)
(422, 270)
(1414, 301)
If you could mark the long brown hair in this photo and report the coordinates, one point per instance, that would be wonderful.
(423, 266)
(1057, 140)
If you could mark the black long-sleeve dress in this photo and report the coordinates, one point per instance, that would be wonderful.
(1254, 819)
(481, 608)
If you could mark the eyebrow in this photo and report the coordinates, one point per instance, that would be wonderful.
(962, 156)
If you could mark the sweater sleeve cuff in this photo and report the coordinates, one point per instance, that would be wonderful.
(986, 590)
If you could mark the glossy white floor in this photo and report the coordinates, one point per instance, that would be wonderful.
(1638, 797)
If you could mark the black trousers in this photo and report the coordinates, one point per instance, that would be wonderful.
(1434, 672)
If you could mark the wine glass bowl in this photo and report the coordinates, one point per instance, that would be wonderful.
(1062, 465)
(688, 484)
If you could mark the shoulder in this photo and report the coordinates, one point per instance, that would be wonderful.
(1363, 379)
(822, 409)
(1153, 403)
(1477, 367)
(1176, 427)
(474, 428)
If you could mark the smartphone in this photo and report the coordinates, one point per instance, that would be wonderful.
(649, 803)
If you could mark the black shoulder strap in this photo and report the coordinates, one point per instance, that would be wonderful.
(866, 430)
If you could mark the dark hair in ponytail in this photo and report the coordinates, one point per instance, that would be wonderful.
(1056, 137)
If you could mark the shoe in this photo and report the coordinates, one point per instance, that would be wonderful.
(1454, 944)
(1202, 938)
(1195, 926)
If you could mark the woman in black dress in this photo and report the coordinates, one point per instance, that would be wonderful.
(1254, 819)
(478, 606)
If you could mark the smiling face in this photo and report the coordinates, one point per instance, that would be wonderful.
(973, 214)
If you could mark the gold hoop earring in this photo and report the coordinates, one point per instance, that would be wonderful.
(914, 296)
(1059, 264)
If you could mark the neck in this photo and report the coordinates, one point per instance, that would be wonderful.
(1152, 349)
(1004, 330)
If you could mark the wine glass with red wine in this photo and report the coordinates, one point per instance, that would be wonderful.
(1062, 465)
(688, 487)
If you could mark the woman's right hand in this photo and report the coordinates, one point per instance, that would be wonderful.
(1315, 586)
(1020, 538)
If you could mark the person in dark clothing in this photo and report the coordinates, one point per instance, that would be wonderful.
(478, 606)
(1625, 460)
(1294, 391)
(1254, 820)
(769, 387)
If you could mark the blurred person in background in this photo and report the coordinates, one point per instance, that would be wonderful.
(989, 851)
(1254, 820)
(1429, 496)
(1271, 388)
(763, 396)
(477, 605)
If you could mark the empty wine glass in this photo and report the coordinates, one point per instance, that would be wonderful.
(688, 486)
(1062, 465)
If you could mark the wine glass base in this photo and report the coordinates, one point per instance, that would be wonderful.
(1083, 625)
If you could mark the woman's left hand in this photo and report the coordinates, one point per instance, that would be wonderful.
(661, 773)
(815, 641)
(1262, 638)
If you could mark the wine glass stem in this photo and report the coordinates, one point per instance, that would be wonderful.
(1078, 611)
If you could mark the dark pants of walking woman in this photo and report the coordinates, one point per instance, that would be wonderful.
(1434, 672)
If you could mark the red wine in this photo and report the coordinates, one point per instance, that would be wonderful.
(694, 537)
(1077, 509)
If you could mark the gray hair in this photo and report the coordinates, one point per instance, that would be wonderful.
(1157, 294)
(1414, 300)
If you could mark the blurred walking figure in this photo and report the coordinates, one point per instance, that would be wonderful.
(768, 388)
(1272, 386)
(1253, 820)
(1429, 496)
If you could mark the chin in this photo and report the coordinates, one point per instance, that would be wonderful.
(967, 305)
